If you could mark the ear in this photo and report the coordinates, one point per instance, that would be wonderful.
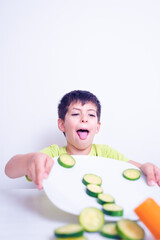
(61, 125)
(98, 127)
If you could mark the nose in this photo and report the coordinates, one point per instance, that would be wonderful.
(84, 119)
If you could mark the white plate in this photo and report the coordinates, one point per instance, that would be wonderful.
(65, 189)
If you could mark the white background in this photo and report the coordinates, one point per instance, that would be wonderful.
(109, 47)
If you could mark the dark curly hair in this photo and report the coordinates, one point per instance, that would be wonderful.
(75, 96)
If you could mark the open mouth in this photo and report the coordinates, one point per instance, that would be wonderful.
(83, 133)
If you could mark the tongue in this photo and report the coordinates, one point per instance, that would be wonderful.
(82, 135)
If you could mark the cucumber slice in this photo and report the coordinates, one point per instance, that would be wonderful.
(66, 160)
(129, 230)
(109, 230)
(93, 190)
(70, 230)
(132, 174)
(105, 198)
(73, 238)
(91, 219)
(112, 209)
(92, 179)
(29, 180)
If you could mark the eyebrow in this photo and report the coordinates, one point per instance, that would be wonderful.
(80, 109)
(91, 110)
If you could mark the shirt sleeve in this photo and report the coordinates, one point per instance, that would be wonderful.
(114, 154)
(52, 151)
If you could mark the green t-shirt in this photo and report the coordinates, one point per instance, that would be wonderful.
(96, 150)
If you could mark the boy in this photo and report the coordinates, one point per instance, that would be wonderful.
(79, 120)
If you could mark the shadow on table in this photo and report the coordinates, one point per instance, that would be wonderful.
(37, 202)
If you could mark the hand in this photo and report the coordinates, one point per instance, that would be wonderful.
(152, 172)
(39, 166)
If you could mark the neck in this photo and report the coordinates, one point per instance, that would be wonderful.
(74, 151)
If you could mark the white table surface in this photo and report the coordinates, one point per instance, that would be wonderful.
(27, 214)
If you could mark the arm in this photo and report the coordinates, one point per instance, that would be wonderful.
(17, 165)
(151, 171)
(35, 165)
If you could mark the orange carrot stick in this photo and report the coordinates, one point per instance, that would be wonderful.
(149, 214)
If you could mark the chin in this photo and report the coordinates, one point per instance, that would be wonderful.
(83, 145)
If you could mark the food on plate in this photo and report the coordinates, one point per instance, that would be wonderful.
(112, 209)
(105, 198)
(66, 160)
(93, 190)
(132, 174)
(92, 179)
(91, 219)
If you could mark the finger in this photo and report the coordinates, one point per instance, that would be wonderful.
(157, 175)
(48, 165)
(151, 176)
(39, 174)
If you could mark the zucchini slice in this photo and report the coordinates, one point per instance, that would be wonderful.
(73, 238)
(91, 219)
(92, 179)
(112, 209)
(109, 230)
(70, 230)
(132, 174)
(105, 198)
(93, 190)
(66, 160)
(29, 180)
(129, 230)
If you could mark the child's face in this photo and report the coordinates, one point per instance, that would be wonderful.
(80, 125)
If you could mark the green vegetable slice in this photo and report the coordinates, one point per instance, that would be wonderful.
(93, 190)
(73, 238)
(92, 179)
(29, 180)
(132, 174)
(66, 160)
(70, 230)
(109, 230)
(91, 219)
(112, 209)
(105, 198)
(129, 230)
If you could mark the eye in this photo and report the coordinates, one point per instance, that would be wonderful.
(92, 115)
(74, 114)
